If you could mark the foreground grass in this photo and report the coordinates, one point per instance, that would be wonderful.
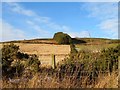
(42, 80)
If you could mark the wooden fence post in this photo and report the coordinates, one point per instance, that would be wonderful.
(53, 61)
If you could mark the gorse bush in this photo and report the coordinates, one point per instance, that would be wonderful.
(62, 38)
(33, 63)
(12, 61)
(8, 55)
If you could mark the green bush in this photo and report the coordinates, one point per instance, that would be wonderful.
(12, 60)
(33, 63)
(8, 55)
(62, 38)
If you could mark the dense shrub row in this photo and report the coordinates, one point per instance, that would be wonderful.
(91, 64)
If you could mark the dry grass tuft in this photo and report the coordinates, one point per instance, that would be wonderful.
(107, 81)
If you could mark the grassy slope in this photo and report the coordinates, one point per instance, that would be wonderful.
(95, 47)
(75, 41)
(96, 43)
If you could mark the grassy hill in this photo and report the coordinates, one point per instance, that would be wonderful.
(87, 41)
(97, 40)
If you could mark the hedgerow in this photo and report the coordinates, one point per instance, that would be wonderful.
(91, 64)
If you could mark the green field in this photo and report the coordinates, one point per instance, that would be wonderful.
(94, 47)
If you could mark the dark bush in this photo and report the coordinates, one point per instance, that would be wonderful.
(78, 41)
(22, 55)
(8, 55)
(12, 61)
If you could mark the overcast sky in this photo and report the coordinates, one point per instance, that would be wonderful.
(26, 20)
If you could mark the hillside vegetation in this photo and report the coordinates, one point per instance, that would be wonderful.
(82, 69)
(91, 63)
(91, 41)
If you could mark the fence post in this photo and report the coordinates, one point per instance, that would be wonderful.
(53, 61)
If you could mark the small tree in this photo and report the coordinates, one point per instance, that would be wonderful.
(62, 38)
